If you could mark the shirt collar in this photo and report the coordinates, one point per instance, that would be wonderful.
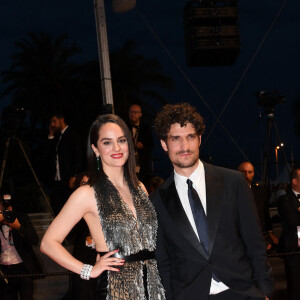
(63, 131)
(180, 180)
(296, 193)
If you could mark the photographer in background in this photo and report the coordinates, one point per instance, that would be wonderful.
(16, 254)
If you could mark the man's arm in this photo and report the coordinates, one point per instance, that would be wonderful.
(252, 237)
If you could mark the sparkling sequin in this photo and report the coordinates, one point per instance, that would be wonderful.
(130, 235)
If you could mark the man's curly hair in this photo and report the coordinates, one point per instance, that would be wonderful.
(181, 113)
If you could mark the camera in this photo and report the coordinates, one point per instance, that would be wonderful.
(8, 215)
(269, 99)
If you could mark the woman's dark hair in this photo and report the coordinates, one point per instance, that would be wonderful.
(181, 113)
(129, 167)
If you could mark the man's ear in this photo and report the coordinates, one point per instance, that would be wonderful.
(95, 150)
(200, 140)
(164, 145)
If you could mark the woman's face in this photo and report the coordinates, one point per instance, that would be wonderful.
(112, 146)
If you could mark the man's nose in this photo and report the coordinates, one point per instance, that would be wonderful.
(184, 144)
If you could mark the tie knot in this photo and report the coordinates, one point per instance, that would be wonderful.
(189, 183)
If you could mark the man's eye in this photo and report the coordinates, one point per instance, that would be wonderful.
(174, 138)
(191, 136)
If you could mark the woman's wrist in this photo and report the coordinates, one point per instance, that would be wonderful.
(86, 271)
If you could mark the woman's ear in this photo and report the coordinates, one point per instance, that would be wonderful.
(95, 150)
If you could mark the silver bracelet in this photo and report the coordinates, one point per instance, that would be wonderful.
(86, 272)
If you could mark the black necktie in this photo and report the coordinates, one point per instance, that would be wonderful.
(199, 218)
(198, 214)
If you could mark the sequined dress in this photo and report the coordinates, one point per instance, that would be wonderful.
(130, 235)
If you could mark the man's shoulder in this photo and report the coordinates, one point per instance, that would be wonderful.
(289, 195)
(221, 171)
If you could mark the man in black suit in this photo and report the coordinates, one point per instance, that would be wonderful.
(16, 254)
(143, 143)
(210, 248)
(289, 211)
(64, 160)
(261, 198)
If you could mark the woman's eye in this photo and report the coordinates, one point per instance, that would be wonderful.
(123, 141)
(106, 143)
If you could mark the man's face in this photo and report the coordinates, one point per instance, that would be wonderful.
(248, 170)
(182, 146)
(296, 182)
(56, 123)
(135, 113)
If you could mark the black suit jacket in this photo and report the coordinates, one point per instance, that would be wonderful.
(288, 205)
(236, 246)
(145, 137)
(23, 239)
(69, 152)
(261, 198)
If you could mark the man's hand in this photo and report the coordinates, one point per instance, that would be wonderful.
(15, 225)
(51, 130)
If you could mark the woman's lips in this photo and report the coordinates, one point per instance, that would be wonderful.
(117, 156)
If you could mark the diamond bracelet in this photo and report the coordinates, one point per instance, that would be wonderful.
(86, 272)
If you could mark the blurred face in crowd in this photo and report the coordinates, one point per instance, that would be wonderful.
(182, 146)
(84, 180)
(57, 124)
(248, 170)
(135, 113)
(296, 182)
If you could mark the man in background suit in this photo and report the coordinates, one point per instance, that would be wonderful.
(143, 143)
(261, 198)
(289, 211)
(64, 160)
(212, 247)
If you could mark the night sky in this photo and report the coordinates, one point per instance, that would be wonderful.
(271, 65)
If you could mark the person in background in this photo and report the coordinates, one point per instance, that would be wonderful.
(153, 183)
(261, 197)
(289, 242)
(63, 159)
(143, 143)
(209, 244)
(120, 217)
(17, 257)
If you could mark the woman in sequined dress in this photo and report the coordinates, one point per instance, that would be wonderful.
(120, 217)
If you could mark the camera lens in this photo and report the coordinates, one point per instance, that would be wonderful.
(9, 216)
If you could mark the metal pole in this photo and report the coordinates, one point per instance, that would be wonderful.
(103, 53)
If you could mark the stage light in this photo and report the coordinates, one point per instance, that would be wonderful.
(120, 6)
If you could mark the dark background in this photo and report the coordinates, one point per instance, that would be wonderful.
(268, 60)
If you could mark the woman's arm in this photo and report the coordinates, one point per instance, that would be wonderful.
(81, 202)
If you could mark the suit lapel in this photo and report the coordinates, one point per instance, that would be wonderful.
(178, 215)
(214, 187)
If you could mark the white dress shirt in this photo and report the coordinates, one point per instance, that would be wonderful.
(198, 179)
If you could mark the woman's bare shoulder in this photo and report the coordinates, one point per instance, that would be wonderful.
(84, 193)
